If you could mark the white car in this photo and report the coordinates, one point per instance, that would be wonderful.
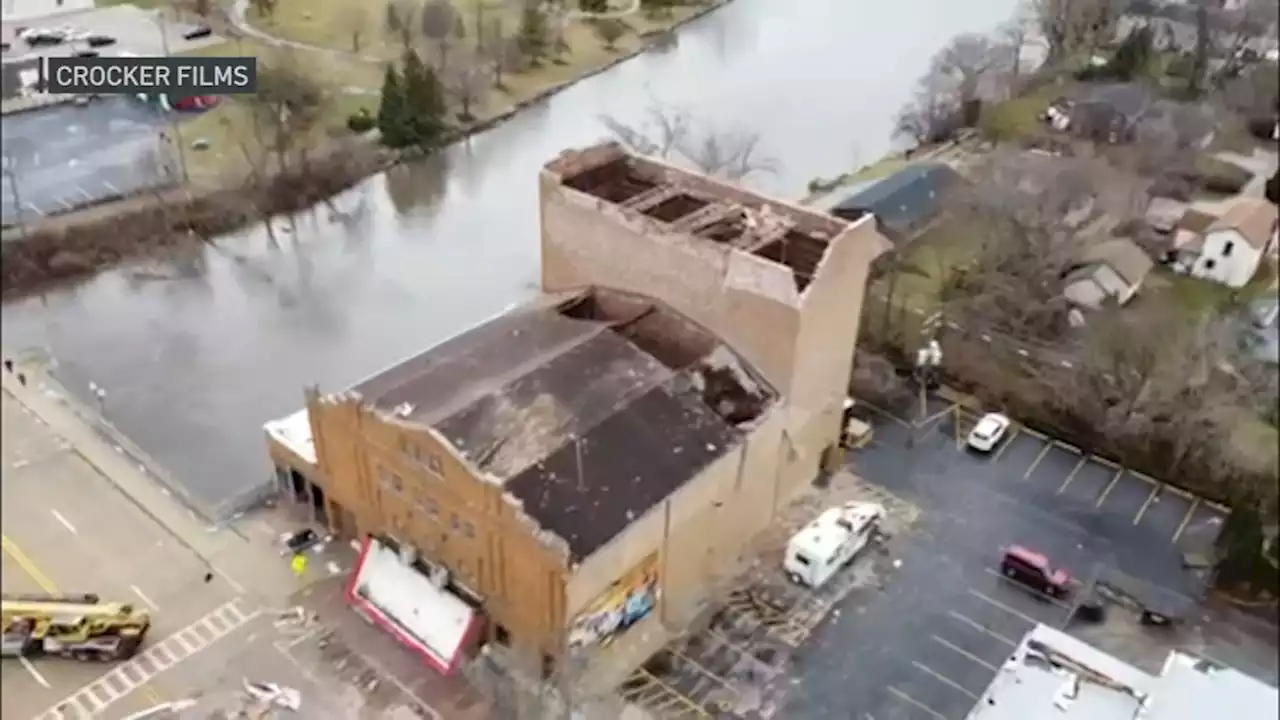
(988, 432)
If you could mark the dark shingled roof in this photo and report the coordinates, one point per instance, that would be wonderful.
(586, 429)
(902, 201)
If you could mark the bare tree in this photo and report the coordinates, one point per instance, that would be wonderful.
(1155, 376)
(355, 20)
(1255, 93)
(1071, 26)
(493, 45)
(286, 108)
(1241, 28)
(467, 79)
(399, 20)
(933, 115)
(1022, 212)
(673, 135)
(437, 20)
(966, 62)
(1012, 34)
(610, 31)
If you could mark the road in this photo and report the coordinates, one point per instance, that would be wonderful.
(67, 529)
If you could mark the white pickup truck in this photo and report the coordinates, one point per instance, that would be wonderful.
(830, 542)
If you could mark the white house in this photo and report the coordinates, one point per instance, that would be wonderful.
(1232, 246)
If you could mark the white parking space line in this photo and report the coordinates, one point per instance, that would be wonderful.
(915, 703)
(138, 591)
(1002, 606)
(33, 208)
(963, 653)
(1036, 593)
(33, 672)
(87, 196)
(111, 188)
(944, 679)
(92, 699)
(65, 522)
(982, 629)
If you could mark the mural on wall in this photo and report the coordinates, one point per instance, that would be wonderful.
(630, 599)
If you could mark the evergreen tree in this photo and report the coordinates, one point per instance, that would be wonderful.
(393, 110)
(532, 36)
(1273, 188)
(424, 100)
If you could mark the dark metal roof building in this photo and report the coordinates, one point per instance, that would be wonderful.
(903, 201)
(588, 417)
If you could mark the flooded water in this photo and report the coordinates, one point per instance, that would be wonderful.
(195, 363)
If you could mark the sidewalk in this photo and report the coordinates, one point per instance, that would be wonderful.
(250, 565)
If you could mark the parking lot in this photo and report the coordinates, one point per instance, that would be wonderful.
(1141, 525)
(917, 628)
(136, 30)
(929, 641)
(743, 664)
(62, 157)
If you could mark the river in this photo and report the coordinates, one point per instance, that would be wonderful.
(193, 365)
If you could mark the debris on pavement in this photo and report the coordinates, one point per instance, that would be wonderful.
(276, 695)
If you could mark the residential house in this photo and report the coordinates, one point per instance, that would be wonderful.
(1187, 232)
(1231, 248)
(903, 203)
(1111, 271)
(1127, 111)
(575, 478)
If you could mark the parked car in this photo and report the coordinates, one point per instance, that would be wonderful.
(195, 102)
(988, 432)
(86, 53)
(197, 32)
(42, 37)
(1033, 570)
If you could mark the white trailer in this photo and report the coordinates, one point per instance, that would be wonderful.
(830, 542)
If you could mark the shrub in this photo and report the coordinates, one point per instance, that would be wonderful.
(360, 121)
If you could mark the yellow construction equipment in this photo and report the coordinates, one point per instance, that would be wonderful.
(77, 626)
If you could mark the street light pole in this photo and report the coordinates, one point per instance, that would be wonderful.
(99, 394)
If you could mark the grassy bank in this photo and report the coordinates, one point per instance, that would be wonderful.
(77, 245)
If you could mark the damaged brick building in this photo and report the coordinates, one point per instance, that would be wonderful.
(576, 477)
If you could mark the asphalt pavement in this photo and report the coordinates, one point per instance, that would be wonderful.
(928, 640)
(67, 529)
(65, 156)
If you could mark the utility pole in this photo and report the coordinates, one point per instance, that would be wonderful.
(928, 360)
(175, 136)
(13, 193)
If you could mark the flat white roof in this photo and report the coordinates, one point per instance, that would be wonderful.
(1053, 675)
(1191, 688)
(294, 432)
